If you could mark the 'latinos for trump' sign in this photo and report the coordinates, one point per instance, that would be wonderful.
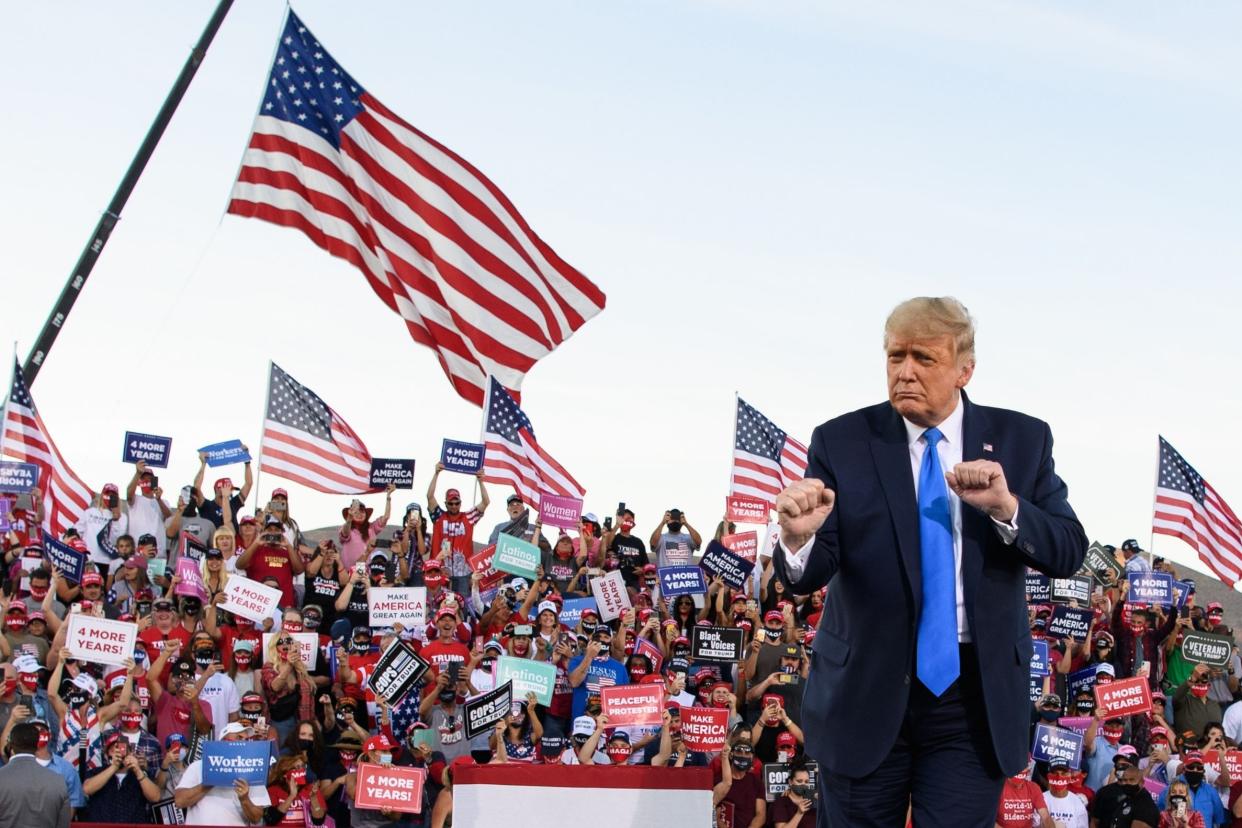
(527, 676)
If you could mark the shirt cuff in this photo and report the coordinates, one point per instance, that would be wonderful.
(1008, 530)
(795, 562)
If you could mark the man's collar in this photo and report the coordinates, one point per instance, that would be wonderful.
(950, 427)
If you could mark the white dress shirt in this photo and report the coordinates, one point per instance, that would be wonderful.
(949, 452)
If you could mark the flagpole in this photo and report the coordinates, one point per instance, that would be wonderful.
(1155, 484)
(108, 221)
(267, 402)
(737, 399)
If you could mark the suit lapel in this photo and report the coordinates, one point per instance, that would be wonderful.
(976, 445)
(891, 453)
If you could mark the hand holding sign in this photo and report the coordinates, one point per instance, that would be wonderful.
(801, 509)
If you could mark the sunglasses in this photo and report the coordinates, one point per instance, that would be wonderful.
(284, 642)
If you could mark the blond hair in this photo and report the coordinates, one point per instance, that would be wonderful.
(928, 317)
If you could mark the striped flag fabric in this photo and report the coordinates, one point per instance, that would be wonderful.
(65, 497)
(1187, 507)
(765, 458)
(437, 241)
(307, 442)
(512, 454)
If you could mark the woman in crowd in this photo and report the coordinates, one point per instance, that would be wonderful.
(358, 533)
(307, 739)
(296, 803)
(522, 732)
(215, 575)
(225, 539)
(1179, 811)
(796, 807)
(287, 685)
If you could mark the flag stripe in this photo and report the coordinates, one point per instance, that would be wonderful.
(514, 456)
(765, 459)
(1187, 507)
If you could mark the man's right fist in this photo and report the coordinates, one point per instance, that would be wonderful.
(801, 509)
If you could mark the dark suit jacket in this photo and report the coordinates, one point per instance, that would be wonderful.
(867, 552)
(32, 796)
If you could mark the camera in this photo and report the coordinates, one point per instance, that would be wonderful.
(674, 515)
(271, 537)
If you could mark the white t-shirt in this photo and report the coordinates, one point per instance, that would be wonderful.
(92, 522)
(219, 806)
(221, 696)
(145, 518)
(1069, 811)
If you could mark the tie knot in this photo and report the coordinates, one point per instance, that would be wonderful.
(933, 436)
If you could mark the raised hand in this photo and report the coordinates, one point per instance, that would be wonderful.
(981, 483)
(801, 509)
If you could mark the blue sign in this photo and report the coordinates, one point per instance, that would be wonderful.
(226, 453)
(1151, 588)
(1039, 661)
(225, 762)
(1079, 681)
(68, 560)
(466, 458)
(682, 580)
(571, 610)
(1038, 588)
(719, 562)
(148, 448)
(1181, 591)
(1057, 744)
(1037, 688)
(18, 478)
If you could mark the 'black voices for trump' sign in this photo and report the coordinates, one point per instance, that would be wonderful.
(716, 643)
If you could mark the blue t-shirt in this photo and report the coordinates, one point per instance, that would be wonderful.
(603, 672)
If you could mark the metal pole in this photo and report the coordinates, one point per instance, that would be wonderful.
(107, 222)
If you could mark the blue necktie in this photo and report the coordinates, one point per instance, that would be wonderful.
(937, 655)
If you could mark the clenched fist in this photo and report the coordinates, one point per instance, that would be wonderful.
(801, 509)
(981, 483)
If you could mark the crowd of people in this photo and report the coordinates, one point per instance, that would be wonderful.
(127, 741)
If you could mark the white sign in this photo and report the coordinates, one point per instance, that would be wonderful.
(100, 640)
(308, 645)
(610, 595)
(250, 599)
(406, 606)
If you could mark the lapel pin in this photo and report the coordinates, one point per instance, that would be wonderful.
(987, 446)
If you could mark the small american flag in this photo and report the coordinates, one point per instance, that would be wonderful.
(514, 456)
(307, 442)
(65, 497)
(1187, 507)
(765, 459)
(437, 241)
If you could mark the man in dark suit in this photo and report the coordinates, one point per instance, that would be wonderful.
(31, 796)
(918, 689)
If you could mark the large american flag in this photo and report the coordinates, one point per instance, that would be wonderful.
(436, 240)
(514, 456)
(65, 497)
(307, 442)
(1187, 507)
(765, 459)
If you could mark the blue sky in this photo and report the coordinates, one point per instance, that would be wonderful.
(754, 185)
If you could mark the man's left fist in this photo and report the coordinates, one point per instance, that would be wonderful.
(981, 483)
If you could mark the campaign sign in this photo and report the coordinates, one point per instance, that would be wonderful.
(149, 448)
(528, 676)
(1078, 724)
(1124, 697)
(396, 672)
(406, 606)
(611, 596)
(191, 579)
(515, 556)
(100, 640)
(744, 544)
(192, 547)
(776, 778)
(1099, 561)
(743, 509)
(1151, 588)
(250, 599)
(157, 568)
(226, 453)
(1039, 659)
(6, 513)
(1077, 588)
(644, 647)
(466, 458)
(389, 787)
(1054, 744)
(1038, 588)
(565, 512)
(68, 560)
(681, 580)
(226, 762)
(1205, 648)
(704, 728)
(1080, 680)
(308, 646)
(481, 563)
(639, 705)
(719, 561)
(399, 473)
(486, 709)
(1036, 688)
(1233, 761)
(716, 643)
(1071, 622)
(571, 610)
(1181, 591)
(18, 478)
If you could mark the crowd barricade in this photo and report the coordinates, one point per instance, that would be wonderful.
(570, 796)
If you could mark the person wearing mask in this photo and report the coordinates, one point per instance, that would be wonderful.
(101, 525)
(1202, 795)
(1067, 809)
(22, 697)
(442, 710)
(81, 720)
(141, 743)
(326, 576)
(452, 530)
(121, 789)
(165, 629)
(593, 669)
(626, 549)
(739, 793)
(238, 804)
(185, 518)
(271, 555)
(1100, 752)
(296, 802)
(796, 807)
(377, 750)
(1125, 802)
(172, 766)
(287, 684)
(31, 796)
(1192, 709)
(178, 708)
(1178, 811)
(677, 545)
(1022, 803)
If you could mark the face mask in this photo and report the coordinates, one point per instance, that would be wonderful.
(783, 756)
(203, 658)
(1085, 705)
(15, 624)
(78, 699)
(243, 658)
(1112, 736)
(1193, 778)
(177, 754)
(1049, 715)
(627, 525)
(39, 592)
(674, 527)
(385, 758)
(311, 622)
(1200, 691)
(243, 623)
(297, 778)
(1131, 790)
(29, 681)
(447, 696)
(131, 721)
(806, 791)
(348, 757)
(742, 763)
(306, 744)
(772, 635)
(44, 738)
(1178, 800)
(619, 754)
(1058, 783)
(360, 646)
(292, 626)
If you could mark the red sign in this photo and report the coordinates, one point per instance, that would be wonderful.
(481, 563)
(644, 647)
(743, 509)
(633, 704)
(704, 728)
(743, 544)
(1125, 697)
(1233, 760)
(389, 787)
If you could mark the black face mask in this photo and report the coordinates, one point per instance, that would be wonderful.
(674, 527)
(805, 791)
(1193, 778)
(773, 635)
(741, 762)
(447, 696)
(204, 657)
(306, 744)
(78, 699)
(1049, 715)
(1131, 789)
(1085, 705)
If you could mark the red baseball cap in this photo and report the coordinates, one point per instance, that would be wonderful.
(452, 494)
(773, 615)
(280, 493)
(379, 741)
(786, 738)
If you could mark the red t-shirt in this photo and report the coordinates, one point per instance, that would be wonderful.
(295, 814)
(440, 655)
(273, 562)
(1020, 800)
(173, 715)
(155, 641)
(230, 634)
(458, 530)
(362, 665)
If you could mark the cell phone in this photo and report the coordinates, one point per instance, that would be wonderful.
(271, 537)
(383, 543)
(453, 669)
(155, 482)
(187, 493)
(260, 723)
(674, 514)
(621, 508)
(1183, 612)
(360, 568)
(390, 570)
(788, 678)
(608, 522)
(523, 629)
(110, 501)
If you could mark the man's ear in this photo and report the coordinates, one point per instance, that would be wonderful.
(966, 372)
